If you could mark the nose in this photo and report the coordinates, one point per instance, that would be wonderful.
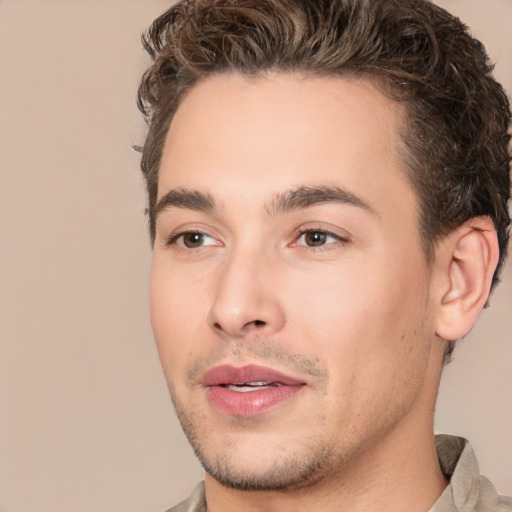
(246, 298)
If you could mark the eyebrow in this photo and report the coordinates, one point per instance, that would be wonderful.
(184, 198)
(305, 197)
(294, 199)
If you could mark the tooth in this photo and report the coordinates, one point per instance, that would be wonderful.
(247, 388)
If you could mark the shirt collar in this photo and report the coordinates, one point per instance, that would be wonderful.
(459, 464)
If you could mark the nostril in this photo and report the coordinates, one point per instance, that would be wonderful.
(255, 324)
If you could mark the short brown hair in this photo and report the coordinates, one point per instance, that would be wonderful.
(458, 116)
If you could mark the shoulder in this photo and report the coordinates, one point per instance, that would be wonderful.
(196, 502)
(489, 500)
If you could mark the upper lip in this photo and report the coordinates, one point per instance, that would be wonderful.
(227, 374)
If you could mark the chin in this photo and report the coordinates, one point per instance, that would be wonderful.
(252, 458)
(262, 462)
(292, 472)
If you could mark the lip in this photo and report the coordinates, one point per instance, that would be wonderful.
(248, 403)
(227, 374)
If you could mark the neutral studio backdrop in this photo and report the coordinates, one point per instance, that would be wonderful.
(86, 423)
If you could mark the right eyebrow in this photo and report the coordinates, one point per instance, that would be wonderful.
(185, 198)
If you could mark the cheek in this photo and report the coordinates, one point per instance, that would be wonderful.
(339, 300)
(178, 310)
(359, 313)
(368, 330)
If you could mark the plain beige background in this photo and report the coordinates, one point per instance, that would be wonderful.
(85, 419)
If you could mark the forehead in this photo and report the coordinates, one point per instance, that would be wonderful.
(234, 137)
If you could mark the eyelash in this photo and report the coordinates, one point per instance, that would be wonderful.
(323, 232)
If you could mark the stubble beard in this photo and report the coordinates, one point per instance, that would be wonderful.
(311, 462)
(294, 466)
(306, 464)
(299, 469)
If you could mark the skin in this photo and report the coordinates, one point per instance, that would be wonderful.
(355, 316)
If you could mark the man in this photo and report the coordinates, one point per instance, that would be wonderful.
(328, 185)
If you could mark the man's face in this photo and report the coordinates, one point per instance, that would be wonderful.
(290, 297)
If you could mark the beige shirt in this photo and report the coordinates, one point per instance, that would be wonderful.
(468, 491)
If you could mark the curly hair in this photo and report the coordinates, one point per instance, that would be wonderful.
(456, 133)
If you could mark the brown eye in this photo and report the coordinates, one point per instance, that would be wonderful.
(193, 240)
(190, 240)
(318, 238)
(315, 238)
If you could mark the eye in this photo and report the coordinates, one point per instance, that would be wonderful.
(192, 240)
(318, 238)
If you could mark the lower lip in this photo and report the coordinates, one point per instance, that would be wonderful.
(250, 403)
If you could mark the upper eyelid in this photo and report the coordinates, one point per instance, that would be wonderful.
(168, 231)
(339, 233)
(320, 230)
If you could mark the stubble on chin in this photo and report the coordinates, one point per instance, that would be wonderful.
(294, 467)
(289, 467)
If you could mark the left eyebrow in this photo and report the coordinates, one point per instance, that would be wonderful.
(305, 197)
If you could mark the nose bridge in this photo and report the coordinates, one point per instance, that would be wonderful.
(245, 298)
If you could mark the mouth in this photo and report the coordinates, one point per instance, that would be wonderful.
(248, 387)
(248, 390)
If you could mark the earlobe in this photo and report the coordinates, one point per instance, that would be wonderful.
(467, 257)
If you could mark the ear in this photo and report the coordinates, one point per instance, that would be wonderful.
(466, 259)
